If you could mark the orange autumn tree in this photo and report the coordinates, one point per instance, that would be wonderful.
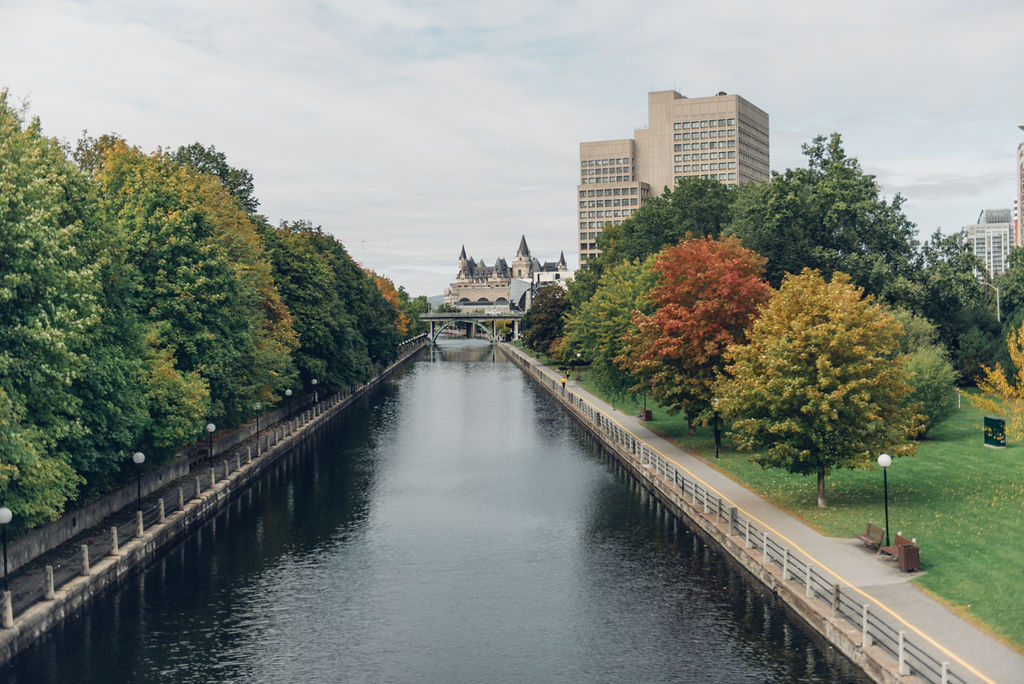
(706, 296)
(390, 293)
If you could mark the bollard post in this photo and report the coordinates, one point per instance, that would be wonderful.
(749, 544)
(161, 511)
(238, 462)
(903, 668)
(865, 633)
(705, 500)
(8, 619)
(139, 530)
(213, 474)
(808, 589)
(48, 592)
(248, 456)
(114, 550)
(199, 487)
(945, 672)
(225, 469)
(785, 565)
(181, 498)
(764, 548)
(85, 559)
(835, 600)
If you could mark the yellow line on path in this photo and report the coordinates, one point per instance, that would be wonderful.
(796, 546)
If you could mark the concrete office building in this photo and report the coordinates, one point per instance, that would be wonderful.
(723, 137)
(991, 240)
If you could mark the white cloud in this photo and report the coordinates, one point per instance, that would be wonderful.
(409, 129)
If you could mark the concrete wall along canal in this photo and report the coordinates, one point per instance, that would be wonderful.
(859, 629)
(52, 594)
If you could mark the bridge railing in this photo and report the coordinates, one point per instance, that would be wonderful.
(878, 627)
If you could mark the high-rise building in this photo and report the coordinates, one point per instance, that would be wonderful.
(723, 137)
(1019, 207)
(991, 240)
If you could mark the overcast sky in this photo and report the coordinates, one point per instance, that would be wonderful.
(408, 129)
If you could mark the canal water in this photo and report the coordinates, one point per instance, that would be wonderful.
(456, 526)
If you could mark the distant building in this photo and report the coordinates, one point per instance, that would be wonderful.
(991, 240)
(503, 287)
(1019, 206)
(723, 137)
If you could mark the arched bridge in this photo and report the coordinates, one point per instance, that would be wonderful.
(480, 320)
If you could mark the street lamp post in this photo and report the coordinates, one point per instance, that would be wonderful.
(257, 406)
(998, 316)
(314, 390)
(885, 460)
(288, 393)
(139, 459)
(210, 429)
(718, 428)
(5, 518)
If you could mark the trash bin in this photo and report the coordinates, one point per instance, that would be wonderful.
(645, 414)
(909, 558)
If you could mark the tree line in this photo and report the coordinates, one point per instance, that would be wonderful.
(802, 310)
(142, 296)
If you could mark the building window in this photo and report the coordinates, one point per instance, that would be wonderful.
(732, 122)
(686, 167)
(721, 122)
(677, 147)
(679, 157)
(679, 169)
(679, 136)
(703, 124)
(686, 124)
(677, 126)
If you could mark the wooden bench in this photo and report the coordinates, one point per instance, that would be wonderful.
(872, 536)
(906, 552)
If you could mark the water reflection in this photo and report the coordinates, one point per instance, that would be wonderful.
(456, 527)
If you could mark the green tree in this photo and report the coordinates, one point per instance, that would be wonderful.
(201, 277)
(413, 307)
(48, 305)
(829, 217)
(953, 298)
(816, 386)
(708, 292)
(542, 324)
(331, 346)
(238, 182)
(596, 329)
(694, 207)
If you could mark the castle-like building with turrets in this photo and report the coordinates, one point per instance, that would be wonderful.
(503, 287)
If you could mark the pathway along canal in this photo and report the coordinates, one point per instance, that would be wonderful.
(454, 527)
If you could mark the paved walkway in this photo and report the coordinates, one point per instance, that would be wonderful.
(974, 654)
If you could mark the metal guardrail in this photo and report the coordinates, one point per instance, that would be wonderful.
(876, 626)
(34, 582)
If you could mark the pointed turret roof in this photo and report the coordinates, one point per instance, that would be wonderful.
(462, 255)
(561, 260)
(523, 250)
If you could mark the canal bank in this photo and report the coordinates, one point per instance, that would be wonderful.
(863, 606)
(66, 586)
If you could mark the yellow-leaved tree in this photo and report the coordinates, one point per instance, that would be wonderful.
(998, 394)
(816, 386)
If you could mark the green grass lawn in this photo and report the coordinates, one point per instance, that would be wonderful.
(963, 503)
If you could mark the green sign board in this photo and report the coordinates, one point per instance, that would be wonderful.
(995, 432)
